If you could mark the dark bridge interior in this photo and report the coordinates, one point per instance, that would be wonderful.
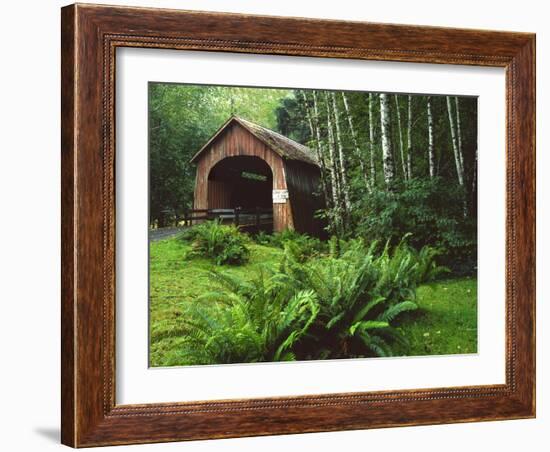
(243, 181)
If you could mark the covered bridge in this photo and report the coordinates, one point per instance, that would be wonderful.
(244, 165)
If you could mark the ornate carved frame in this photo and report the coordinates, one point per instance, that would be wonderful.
(90, 36)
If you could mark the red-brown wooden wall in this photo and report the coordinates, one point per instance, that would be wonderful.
(235, 141)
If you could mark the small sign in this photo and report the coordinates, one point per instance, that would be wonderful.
(280, 196)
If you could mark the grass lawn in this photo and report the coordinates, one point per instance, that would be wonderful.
(175, 280)
(445, 323)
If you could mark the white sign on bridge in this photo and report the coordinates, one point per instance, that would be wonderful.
(280, 196)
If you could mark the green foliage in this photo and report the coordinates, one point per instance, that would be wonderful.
(225, 244)
(277, 238)
(322, 308)
(316, 300)
(263, 238)
(430, 212)
(181, 119)
(302, 247)
(360, 293)
(438, 212)
(176, 282)
(444, 323)
(247, 321)
(290, 119)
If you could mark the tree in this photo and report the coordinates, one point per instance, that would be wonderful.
(409, 137)
(431, 152)
(400, 131)
(454, 141)
(344, 185)
(182, 118)
(459, 134)
(345, 132)
(371, 141)
(313, 119)
(334, 176)
(355, 142)
(387, 148)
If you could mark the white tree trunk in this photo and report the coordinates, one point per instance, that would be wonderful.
(400, 130)
(317, 122)
(343, 172)
(459, 134)
(387, 151)
(459, 171)
(474, 175)
(355, 142)
(335, 184)
(371, 142)
(309, 119)
(409, 137)
(431, 151)
(316, 135)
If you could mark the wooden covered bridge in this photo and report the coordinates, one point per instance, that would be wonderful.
(247, 168)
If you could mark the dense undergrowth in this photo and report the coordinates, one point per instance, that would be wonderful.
(292, 297)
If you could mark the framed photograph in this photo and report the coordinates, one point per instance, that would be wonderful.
(281, 225)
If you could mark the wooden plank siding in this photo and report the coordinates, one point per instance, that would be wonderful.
(218, 194)
(305, 198)
(235, 141)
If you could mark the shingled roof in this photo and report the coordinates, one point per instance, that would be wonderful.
(285, 147)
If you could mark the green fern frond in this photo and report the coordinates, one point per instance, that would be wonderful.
(362, 327)
(393, 311)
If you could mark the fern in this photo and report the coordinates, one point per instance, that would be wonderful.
(393, 311)
(224, 244)
(247, 321)
(361, 290)
(329, 307)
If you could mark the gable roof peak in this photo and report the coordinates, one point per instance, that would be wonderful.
(280, 144)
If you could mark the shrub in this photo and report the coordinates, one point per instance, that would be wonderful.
(431, 211)
(225, 244)
(329, 307)
(246, 321)
(403, 269)
(301, 246)
(263, 238)
(360, 294)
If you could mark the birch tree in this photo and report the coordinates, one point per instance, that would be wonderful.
(454, 140)
(354, 138)
(409, 137)
(474, 174)
(387, 151)
(474, 181)
(308, 117)
(400, 131)
(344, 185)
(313, 120)
(371, 142)
(431, 152)
(334, 176)
(459, 134)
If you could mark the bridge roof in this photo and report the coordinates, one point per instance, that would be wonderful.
(284, 146)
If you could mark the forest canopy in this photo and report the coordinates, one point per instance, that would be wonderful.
(392, 165)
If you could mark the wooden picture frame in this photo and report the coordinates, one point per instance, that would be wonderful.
(90, 36)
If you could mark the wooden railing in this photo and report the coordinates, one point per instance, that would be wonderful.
(238, 216)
